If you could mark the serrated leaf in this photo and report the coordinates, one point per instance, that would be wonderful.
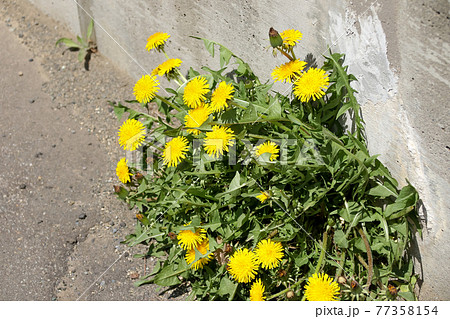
(168, 276)
(227, 287)
(406, 198)
(225, 56)
(340, 239)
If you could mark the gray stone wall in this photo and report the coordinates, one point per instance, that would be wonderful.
(399, 51)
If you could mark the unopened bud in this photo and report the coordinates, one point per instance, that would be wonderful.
(290, 294)
(172, 235)
(117, 189)
(275, 38)
(138, 176)
(354, 284)
(139, 216)
(392, 290)
(342, 280)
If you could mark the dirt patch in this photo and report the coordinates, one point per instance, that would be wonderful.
(58, 136)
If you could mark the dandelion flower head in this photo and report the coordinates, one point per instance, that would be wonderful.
(122, 171)
(131, 134)
(157, 41)
(218, 140)
(269, 253)
(195, 91)
(320, 287)
(243, 265)
(146, 88)
(311, 84)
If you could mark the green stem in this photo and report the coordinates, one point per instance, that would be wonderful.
(285, 290)
(324, 248)
(285, 54)
(168, 102)
(181, 75)
(292, 52)
(178, 71)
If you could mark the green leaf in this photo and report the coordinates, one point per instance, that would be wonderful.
(90, 29)
(68, 42)
(235, 183)
(209, 46)
(227, 287)
(340, 239)
(168, 276)
(409, 296)
(143, 281)
(382, 190)
(225, 56)
(81, 56)
(408, 197)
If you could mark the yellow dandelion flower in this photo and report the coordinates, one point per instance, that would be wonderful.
(219, 97)
(195, 91)
(196, 117)
(243, 265)
(311, 84)
(187, 239)
(291, 37)
(257, 291)
(175, 151)
(167, 67)
(288, 71)
(157, 40)
(269, 253)
(268, 147)
(263, 197)
(203, 248)
(320, 287)
(218, 140)
(131, 134)
(122, 171)
(146, 88)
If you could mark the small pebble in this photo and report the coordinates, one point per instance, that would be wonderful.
(111, 223)
(20, 73)
(82, 216)
(126, 254)
(30, 60)
(32, 101)
(21, 35)
(114, 230)
(122, 224)
(23, 186)
(102, 283)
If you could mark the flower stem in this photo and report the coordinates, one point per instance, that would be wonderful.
(285, 54)
(322, 253)
(285, 290)
(168, 102)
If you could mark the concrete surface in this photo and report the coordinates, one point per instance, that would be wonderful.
(399, 50)
(60, 223)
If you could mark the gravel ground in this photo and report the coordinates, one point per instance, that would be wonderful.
(61, 223)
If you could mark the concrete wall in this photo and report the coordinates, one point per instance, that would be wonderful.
(399, 51)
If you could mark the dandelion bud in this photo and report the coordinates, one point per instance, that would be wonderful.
(392, 290)
(354, 284)
(172, 235)
(275, 38)
(342, 280)
(138, 176)
(290, 294)
(117, 189)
